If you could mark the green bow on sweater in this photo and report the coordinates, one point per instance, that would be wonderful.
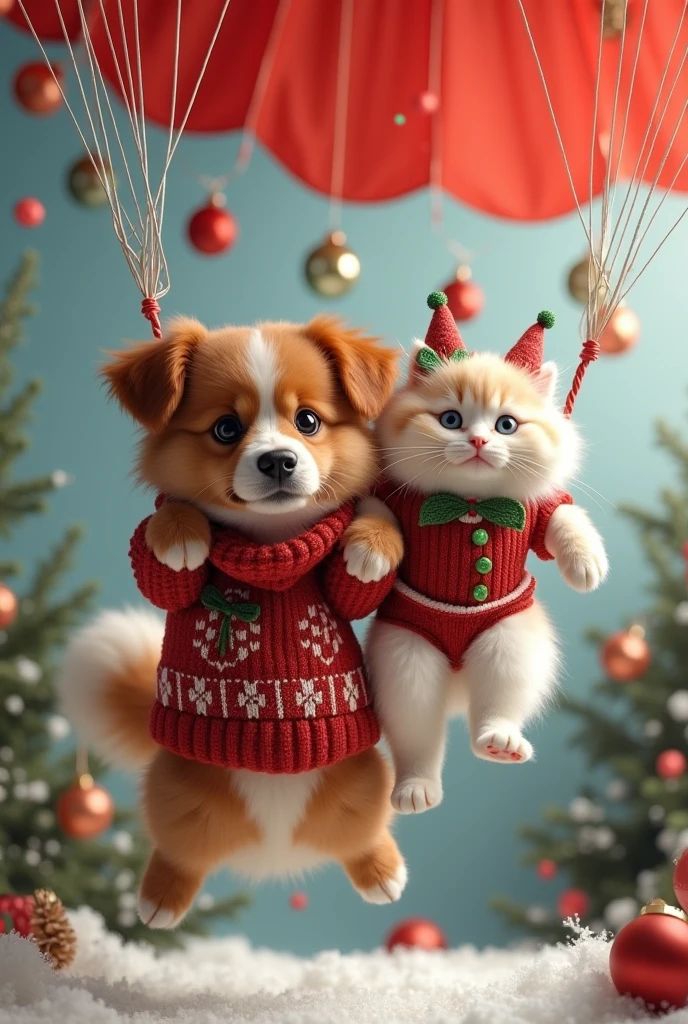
(444, 508)
(215, 601)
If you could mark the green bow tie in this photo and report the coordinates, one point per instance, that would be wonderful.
(215, 601)
(444, 508)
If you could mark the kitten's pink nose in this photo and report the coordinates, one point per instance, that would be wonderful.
(478, 442)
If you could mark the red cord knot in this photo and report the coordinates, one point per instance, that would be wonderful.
(590, 351)
(150, 309)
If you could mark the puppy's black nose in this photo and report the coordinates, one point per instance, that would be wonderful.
(278, 464)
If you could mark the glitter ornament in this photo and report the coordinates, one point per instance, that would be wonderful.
(649, 957)
(626, 656)
(212, 229)
(332, 269)
(36, 90)
(671, 764)
(85, 810)
(464, 297)
(29, 212)
(418, 933)
(621, 333)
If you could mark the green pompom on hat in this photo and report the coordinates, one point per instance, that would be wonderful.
(529, 350)
(443, 335)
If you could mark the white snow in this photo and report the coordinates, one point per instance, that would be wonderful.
(225, 981)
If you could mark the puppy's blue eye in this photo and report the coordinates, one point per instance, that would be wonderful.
(451, 419)
(227, 430)
(307, 422)
(506, 425)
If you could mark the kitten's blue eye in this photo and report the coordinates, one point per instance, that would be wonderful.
(451, 419)
(227, 430)
(506, 425)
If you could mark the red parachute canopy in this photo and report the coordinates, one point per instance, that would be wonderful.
(498, 147)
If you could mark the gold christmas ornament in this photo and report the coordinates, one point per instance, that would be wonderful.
(578, 285)
(332, 269)
(621, 333)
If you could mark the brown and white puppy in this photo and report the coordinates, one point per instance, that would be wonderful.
(264, 428)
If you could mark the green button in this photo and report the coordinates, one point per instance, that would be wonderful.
(484, 565)
(480, 537)
(480, 592)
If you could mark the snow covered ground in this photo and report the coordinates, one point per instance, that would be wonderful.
(225, 981)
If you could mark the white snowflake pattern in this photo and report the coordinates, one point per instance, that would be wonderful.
(322, 636)
(200, 696)
(251, 699)
(165, 688)
(308, 698)
(351, 692)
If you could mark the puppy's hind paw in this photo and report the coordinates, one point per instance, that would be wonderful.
(413, 796)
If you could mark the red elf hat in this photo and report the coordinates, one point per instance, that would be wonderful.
(529, 350)
(443, 335)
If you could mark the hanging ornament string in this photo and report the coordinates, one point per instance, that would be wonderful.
(341, 111)
(607, 286)
(137, 218)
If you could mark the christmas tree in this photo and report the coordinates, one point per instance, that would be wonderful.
(616, 841)
(36, 764)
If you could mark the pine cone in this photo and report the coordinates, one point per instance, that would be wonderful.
(42, 918)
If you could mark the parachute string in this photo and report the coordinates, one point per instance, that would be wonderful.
(341, 112)
(137, 223)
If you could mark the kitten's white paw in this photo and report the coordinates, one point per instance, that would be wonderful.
(366, 565)
(388, 890)
(584, 570)
(413, 796)
(503, 742)
(190, 554)
(155, 917)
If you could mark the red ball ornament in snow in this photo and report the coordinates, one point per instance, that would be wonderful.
(626, 655)
(681, 880)
(212, 229)
(547, 869)
(298, 900)
(416, 933)
(464, 298)
(671, 764)
(29, 212)
(36, 90)
(649, 957)
(573, 902)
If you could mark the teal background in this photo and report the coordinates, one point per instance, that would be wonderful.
(466, 851)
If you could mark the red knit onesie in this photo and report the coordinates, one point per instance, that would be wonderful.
(457, 579)
(260, 667)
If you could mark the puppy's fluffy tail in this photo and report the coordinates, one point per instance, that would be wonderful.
(107, 684)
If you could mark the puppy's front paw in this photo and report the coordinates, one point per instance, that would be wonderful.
(582, 569)
(373, 547)
(415, 795)
(179, 536)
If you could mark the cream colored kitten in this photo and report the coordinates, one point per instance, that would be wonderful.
(461, 631)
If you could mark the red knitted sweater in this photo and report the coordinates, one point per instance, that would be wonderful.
(260, 667)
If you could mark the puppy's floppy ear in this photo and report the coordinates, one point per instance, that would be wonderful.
(148, 379)
(366, 370)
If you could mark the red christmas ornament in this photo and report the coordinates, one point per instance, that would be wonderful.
(573, 902)
(35, 89)
(681, 880)
(626, 656)
(418, 933)
(5, 7)
(671, 764)
(212, 229)
(298, 900)
(649, 957)
(464, 298)
(9, 606)
(85, 810)
(29, 212)
(42, 918)
(547, 869)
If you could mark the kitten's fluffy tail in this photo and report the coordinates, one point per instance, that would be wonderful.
(107, 684)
